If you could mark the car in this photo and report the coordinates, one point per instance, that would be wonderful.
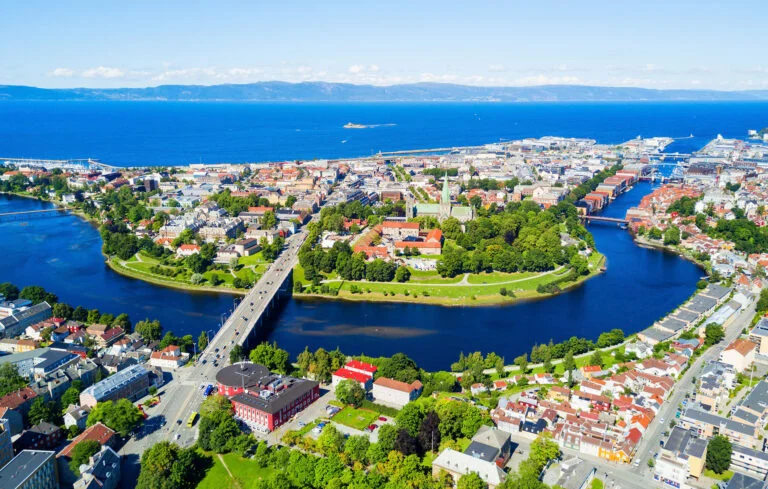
(382, 419)
(204, 361)
(216, 351)
(636, 463)
(372, 427)
(302, 424)
(178, 421)
(661, 420)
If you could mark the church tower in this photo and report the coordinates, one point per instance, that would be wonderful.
(445, 201)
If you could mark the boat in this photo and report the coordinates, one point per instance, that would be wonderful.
(352, 125)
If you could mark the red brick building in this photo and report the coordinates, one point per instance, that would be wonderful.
(264, 400)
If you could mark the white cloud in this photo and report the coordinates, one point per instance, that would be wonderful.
(62, 73)
(355, 69)
(103, 72)
(497, 68)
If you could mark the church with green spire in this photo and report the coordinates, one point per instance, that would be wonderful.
(442, 210)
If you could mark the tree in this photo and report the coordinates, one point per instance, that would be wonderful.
(80, 314)
(166, 466)
(202, 340)
(713, 333)
(543, 449)
(62, 310)
(471, 480)
(522, 362)
(387, 437)
(350, 392)
(400, 367)
(268, 221)
(672, 236)
(596, 359)
(304, 360)
(93, 316)
(121, 416)
(9, 291)
(149, 330)
(37, 294)
(72, 395)
(356, 448)
(410, 418)
(272, 357)
(429, 432)
(81, 453)
(719, 451)
(124, 322)
(236, 354)
(330, 441)
(406, 443)
(42, 411)
(402, 274)
(215, 404)
(10, 380)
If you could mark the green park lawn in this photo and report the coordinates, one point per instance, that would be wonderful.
(246, 473)
(358, 419)
(496, 277)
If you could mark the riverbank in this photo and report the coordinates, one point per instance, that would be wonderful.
(116, 266)
(471, 290)
(659, 245)
(120, 268)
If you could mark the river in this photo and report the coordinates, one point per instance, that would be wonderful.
(62, 254)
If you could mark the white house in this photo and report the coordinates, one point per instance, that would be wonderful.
(740, 354)
(391, 392)
(170, 357)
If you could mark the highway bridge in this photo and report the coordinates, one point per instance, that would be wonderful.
(182, 395)
(24, 215)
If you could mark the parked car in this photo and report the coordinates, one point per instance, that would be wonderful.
(382, 419)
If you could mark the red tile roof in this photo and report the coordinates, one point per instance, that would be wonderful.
(397, 385)
(97, 432)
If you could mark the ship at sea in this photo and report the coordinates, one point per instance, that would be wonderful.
(352, 125)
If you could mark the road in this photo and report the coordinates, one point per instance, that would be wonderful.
(181, 395)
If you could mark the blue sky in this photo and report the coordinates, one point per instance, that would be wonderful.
(649, 43)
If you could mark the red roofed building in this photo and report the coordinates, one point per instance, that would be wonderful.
(372, 252)
(188, 250)
(365, 381)
(400, 229)
(394, 393)
(19, 401)
(361, 367)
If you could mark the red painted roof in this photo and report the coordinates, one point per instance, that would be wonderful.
(352, 375)
(362, 366)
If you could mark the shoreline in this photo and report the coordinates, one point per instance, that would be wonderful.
(124, 271)
(644, 242)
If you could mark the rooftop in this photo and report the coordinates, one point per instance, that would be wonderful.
(116, 381)
(23, 465)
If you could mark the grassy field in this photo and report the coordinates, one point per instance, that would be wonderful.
(497, 277)
(245, 473)
(358, 419)
(430, 288)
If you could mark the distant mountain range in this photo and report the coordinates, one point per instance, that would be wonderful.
(275, 91)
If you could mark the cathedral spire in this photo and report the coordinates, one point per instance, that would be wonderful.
(445, 197)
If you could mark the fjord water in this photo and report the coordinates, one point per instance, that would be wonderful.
(62, 254)
(161, 133)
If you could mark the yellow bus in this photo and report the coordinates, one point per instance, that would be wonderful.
(191, 420)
